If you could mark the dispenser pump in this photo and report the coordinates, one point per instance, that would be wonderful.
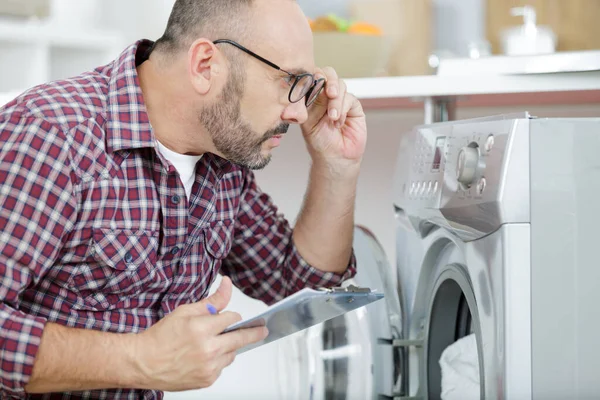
(528, 38)
(529, 17)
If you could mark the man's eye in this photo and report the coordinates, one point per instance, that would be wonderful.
(289, 79)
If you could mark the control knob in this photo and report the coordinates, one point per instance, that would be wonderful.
(467, 165)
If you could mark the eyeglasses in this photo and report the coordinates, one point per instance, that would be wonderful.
(303, 85)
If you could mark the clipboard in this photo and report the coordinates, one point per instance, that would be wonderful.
(304, 309)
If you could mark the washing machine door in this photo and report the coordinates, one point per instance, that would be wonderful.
(445, 312)
(351, 356)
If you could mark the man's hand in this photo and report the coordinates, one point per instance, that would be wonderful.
(336, 137)
(186, 349)
(336, 129)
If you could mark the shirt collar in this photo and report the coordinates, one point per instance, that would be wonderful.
(128, 125)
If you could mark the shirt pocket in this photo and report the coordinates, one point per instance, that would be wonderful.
(121, 265)
(218, 239)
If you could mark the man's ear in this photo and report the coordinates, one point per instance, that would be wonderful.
(203, 65)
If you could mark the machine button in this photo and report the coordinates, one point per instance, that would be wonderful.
(481, 186)
(466, 167)
(489, 143)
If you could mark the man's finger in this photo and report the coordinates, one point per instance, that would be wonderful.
(349, 101)
(221, 297)
(213, 304)
(233, 341)
(332, 87)
(335, 108)
(219, 323)
(225, 360)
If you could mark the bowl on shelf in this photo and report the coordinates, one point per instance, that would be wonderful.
(352, 55)
(355, 49)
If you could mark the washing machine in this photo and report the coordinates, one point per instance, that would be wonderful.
(497, 239)
(354, 356)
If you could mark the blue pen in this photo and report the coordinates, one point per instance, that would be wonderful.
(211, 309)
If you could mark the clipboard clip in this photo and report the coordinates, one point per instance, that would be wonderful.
(348, 289)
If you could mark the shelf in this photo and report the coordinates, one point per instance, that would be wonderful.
(444, 86)
(35, 52)
(559, 62)
(478, 91)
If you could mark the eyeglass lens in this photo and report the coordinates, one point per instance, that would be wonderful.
(316, 90)
(305, 85)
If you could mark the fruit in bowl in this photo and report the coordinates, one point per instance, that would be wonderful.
(333, 23)
(354, 48)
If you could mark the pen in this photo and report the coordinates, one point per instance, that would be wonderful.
(211, 309)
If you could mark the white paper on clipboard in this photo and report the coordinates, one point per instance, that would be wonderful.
(304, 309)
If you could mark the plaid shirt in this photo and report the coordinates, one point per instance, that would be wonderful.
(95, 229)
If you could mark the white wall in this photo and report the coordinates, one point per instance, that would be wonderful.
(136, 19)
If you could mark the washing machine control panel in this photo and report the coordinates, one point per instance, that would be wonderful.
(458, 170)
(455, 162)
(427, 169)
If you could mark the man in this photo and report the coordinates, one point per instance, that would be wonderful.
(124, 191)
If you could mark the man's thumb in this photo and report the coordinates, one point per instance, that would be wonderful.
(217, 301)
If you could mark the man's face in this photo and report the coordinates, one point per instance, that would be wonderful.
(232, 136)
(250, 115)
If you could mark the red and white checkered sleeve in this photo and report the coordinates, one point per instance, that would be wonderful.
(36, 203)
(264, 262)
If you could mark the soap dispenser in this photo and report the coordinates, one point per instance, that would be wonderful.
(528, 38)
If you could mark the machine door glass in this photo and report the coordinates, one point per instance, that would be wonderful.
(351, 356)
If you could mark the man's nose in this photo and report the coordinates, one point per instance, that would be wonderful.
(295, 113)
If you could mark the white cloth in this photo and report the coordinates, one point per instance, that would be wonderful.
(184, 164)
(460, 370)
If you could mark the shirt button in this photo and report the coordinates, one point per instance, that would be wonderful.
(175, 250)
(175, 199)
(128, 257)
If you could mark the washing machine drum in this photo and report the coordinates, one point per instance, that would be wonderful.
(348, 357)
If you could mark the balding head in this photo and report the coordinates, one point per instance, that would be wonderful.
(212, 19)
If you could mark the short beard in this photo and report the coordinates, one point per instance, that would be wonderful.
(231, 136)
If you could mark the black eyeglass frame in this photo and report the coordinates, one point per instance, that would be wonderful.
(297, 77)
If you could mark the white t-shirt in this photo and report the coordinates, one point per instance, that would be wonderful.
(184, 164)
